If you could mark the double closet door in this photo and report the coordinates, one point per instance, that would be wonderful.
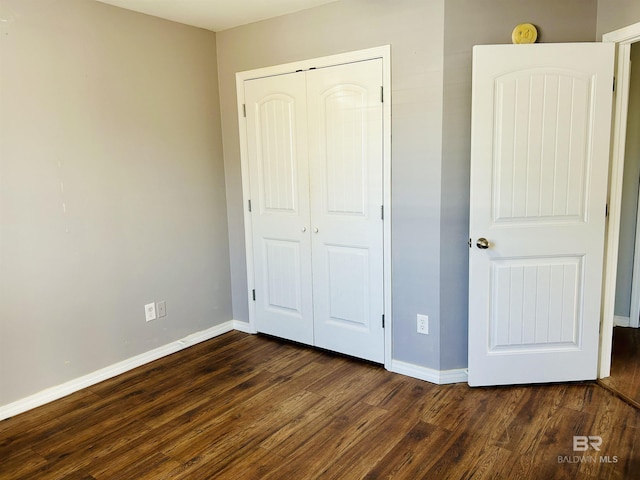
(314, 141)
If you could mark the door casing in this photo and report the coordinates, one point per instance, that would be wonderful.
(383, 52)
(623, 38)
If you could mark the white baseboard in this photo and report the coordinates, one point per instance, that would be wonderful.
(54, 393)
(59, 391)
(244, 327)
(619, 321)
(439, 377)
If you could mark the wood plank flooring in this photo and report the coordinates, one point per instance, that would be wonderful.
(250, 407)
(625, 365)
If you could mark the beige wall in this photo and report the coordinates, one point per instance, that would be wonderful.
(414, 29)
(111, 189)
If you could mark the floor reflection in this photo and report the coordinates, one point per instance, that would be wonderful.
(625, 365)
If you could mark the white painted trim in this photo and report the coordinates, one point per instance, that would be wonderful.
(72, 386)
(319, 62)
(386, 224)
(383, 52)
(634, 307)
(619, 321)
(623, 37)
(439, 377)
(244, 327)
(246, 195)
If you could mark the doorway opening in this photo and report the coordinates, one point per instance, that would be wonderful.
(619, 359)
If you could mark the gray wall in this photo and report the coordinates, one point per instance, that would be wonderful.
(630, 181)
(615, 14)
(115, 116)
(469, 23)
(414, 29)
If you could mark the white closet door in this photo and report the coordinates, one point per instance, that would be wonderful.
(279, 177)
(345, 160)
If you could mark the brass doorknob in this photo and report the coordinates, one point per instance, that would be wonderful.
(482, 243)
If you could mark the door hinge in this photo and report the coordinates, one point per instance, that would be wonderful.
(469, 243)
(254, 294)
(244, 110)
(606, 210)
(249, 202)
(381, 94)
(614, 84)
(383, 320)
(382, 212)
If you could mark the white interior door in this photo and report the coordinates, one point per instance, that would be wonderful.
(539, 167)
(345, 161)
(279, 177)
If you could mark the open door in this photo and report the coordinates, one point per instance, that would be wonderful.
(541, 127)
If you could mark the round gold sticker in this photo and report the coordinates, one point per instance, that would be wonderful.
(524, 33)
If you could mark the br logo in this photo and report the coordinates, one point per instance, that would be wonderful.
(581, 443)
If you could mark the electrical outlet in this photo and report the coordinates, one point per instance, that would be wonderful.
(150, 311)
(423, 324)
(162, 309)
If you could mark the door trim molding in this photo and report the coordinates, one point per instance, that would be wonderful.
(623, 38)
(619, 321)
(383, 52)
(634, 307)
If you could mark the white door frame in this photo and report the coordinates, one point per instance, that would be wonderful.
(634, 310)
(623, 38)
(383, 52)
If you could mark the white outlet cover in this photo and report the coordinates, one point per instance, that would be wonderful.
(150, 311)
(423, 324)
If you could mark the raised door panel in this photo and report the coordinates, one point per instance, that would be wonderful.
(348, 287)
(543, 119)
(535, 304)
(344, 150)
(277, 155)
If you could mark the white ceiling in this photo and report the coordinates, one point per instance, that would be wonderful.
(216, 15)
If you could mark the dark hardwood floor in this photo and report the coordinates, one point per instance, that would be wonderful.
(625, 365)
(250, 407)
